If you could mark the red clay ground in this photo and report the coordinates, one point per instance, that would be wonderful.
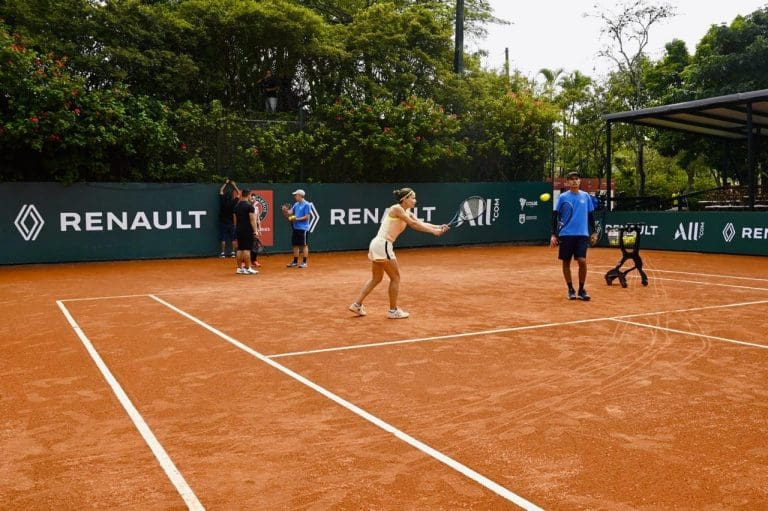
(645, 398)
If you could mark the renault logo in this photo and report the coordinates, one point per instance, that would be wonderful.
(729, 232)
(29, 222)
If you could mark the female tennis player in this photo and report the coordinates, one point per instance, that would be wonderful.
(382, 254)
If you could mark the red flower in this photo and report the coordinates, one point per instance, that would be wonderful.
(76, 111)
(183, 147)
(54, 137)
(386, 129)
(34, 118)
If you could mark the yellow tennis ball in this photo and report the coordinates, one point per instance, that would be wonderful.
(545, 197)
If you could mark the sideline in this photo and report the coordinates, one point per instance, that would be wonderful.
(157, 449)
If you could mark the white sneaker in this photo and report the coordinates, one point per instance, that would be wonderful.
(358, 309)
(240, 271)
(250, 271)
(303, 265)
(397, 314)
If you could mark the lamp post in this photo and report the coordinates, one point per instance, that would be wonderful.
(458, 59)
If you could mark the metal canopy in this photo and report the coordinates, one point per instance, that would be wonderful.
(742, 116)
(723, 116)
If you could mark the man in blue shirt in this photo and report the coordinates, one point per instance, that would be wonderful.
(573, 230)
(300, 215)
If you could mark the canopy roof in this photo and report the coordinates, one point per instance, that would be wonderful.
(723, 116)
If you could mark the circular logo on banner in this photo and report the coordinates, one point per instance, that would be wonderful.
(262, 208)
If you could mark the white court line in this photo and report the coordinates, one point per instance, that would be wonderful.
(706, 275)
(94, 298)
(683, 332)
(459, 467)
(691, 309)
(435, 338)
(713, 284)
(702, 283)
(157, 449)
(506, 330)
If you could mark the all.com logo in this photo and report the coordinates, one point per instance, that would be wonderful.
(29, 222)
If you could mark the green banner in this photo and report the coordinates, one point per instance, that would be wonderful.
(706, 231)
(48, 222)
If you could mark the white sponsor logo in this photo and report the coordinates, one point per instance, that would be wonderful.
(365, 216)
(525, 202)
(490, 210)
(91, 221)
(729, 232)
(645, 230)
(692, 232)
(754, 233)
(29, 222)
(315, 218)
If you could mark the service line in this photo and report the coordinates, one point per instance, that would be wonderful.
(426, 449)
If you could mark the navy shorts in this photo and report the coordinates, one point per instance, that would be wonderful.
(573, 247)
(299, 238)
(226, 232)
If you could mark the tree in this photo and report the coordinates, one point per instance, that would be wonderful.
(629, 31)
(731, 58)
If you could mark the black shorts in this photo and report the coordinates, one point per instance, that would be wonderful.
(573, 247)
(299, 238)
(244, 240)
(226, 232)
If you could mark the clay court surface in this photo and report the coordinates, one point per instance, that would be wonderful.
(155, 385)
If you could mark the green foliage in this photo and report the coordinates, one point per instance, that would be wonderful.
(55, 128)
(732, 58)
(137, 90)
(384, 141)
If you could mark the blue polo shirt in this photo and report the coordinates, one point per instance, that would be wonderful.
(302, 209)
(582, 206)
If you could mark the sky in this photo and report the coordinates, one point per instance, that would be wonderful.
(554, 33)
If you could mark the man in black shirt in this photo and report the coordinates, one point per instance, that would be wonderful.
(227, 202)
(246, 228)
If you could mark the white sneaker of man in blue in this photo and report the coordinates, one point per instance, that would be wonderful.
(358, 309)
(303, 265)
(250, 271)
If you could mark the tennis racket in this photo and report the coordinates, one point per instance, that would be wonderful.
(599, 227)
(470, 209)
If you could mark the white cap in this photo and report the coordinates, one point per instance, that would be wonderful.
(299, 192)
